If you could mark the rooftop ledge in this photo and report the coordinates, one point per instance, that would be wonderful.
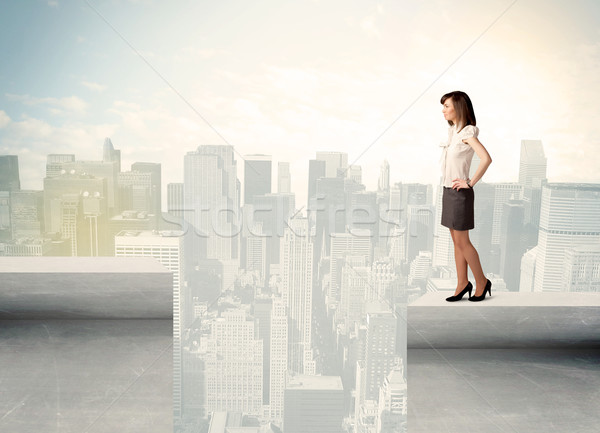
(505, 320)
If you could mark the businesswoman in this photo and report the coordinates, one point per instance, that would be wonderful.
(458, 195)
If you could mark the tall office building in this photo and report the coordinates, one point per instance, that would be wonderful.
(272, 212)
(357, 243)
(581, 271)
(512, 243)
(27, 213)
(503, 193)
(532, 163)
(397, 244)
(262, 309)
(420, 267)
(481, 235)
(335, 162)
(108, 169)
(70, 219)
(94, 238)
(329, 213)
(528, 263)
(154, 169)
(363, 212)
(532, 176)
(167, 248)
(284, 178)
(256, 251)
(5, 230)
(211, 201)
(420, 228)
(382, 277)
(404, 194)
(110, 154)
(392, 413)
(278, 358)
(135, 191)
(443, 247)
(257, 176)
(354, 173)
(316, 170)
(71, 182)
(230, 359)
(383, 184)
(314, 404)
(380, 347)
(355, 288)
(55, 163)
(570, 217)
(9, 173)
(296, 289)
(175, 201)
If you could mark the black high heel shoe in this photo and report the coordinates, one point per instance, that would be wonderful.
(488, 289)
(458, 297)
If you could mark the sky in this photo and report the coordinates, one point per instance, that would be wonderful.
(291, 78)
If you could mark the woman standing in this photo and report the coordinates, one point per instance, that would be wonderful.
(458, 196)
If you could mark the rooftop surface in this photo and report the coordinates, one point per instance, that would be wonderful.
(94, 265)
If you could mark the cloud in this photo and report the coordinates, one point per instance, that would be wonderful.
(53, 4)
(67, 105)
(4, 119)
(96, 87)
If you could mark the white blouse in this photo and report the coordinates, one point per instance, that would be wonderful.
(457, 156)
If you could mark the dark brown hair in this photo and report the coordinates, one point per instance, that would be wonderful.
(463, 107)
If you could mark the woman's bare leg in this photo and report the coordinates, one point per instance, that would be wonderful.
(468, 251)
(461, 267)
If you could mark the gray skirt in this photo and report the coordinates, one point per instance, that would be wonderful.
(457, 208)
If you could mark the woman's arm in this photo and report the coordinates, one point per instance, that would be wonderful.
(483, 155)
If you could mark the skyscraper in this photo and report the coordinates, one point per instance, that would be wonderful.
(284, 178)
(582, 269)
(533, 162)
(154, 169)
(393, 408)
(55, 163)
(278, 358)
(71, 182)
(108, 169)
(232, 360)
(357, 243)
(27, 213)
(257, 176)
(211, 201)
(9, 173)
(175, 199)
(335, 162)
(167, 248)
(314, 404)
(316, 170)
(570, 217)
(420, 228)
(380, 347)
(296, 288)
(272, 212)
(384, 177)
(355, 284)
(512, 243)
(5, 230)
(135, 191)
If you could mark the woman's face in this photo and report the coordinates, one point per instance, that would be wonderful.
(448, 110)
